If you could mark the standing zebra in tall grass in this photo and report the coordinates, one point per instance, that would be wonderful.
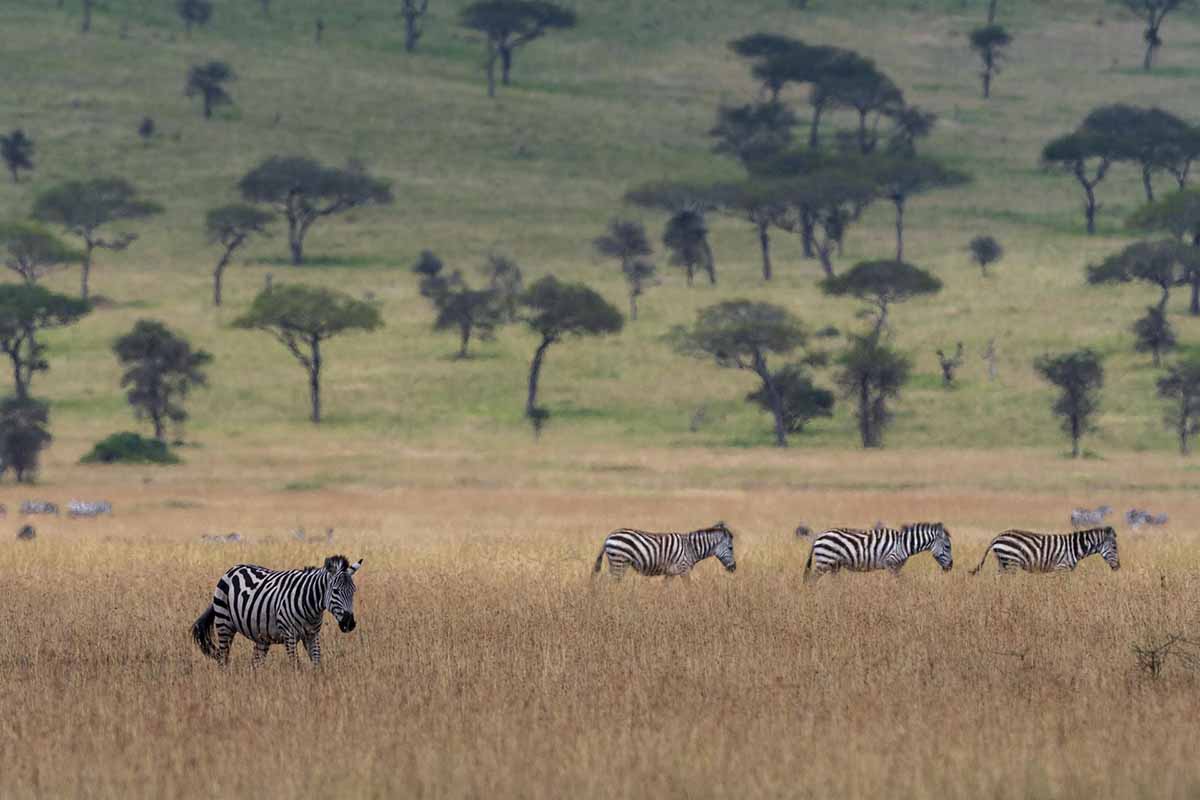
(668, 554)
(1050, 552)
(271, 606)
(879, 548)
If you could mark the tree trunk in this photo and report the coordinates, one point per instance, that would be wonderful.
(296, 231)
(464, 335)
(491, 70)
(987, 83)
(535, 371)
(991, 17)
(410, 34)
(710, 264)
(208, 105)
(807, 226)
(633, 306)
(1075, 434)
(899, 203)
(505, 65)
(219, 272)
(1183, 424)
(863, 146)
(266, 8)
(864, 412)
(20, 387)
(764, 243)
(1148, 183)
(156, 418)
(814, 129)
(1089, 208)
(760, 367)
(314, 379)
(1194, 306)
(823, 254)
(1151, 46)
(85, 269)
(880, 322)
(1162, 301)
(87, 16)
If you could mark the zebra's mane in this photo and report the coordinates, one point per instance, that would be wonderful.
(720, 526)
(336, 564)
(936, 527)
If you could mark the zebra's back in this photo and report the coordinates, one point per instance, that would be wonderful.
(851, 549)
(1032, 551)
(647, 552)
(265, 605)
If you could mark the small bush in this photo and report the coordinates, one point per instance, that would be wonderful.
(130, 448)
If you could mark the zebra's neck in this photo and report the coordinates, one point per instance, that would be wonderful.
(703, 542)
(918, 538)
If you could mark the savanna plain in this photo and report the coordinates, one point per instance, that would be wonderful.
(488, 660)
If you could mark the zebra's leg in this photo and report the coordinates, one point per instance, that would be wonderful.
(313, 645)
(225, 634)
(616, 569)
(260, 653)
(290, 643)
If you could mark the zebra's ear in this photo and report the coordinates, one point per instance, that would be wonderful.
(353, 568)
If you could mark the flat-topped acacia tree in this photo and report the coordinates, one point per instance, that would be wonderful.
(82, 208)
(1153, 13)
(230, 226)
(555, 310)
(1179, 215)
(509, 25)
(25, 310)
(302, 318)
(990, 42)
(882, 283)
(32, 251)
(741, 334)
(1087, 155)
(303, 191)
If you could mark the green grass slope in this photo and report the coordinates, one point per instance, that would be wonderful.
(536, 174)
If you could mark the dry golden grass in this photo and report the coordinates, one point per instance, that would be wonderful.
(488, 663)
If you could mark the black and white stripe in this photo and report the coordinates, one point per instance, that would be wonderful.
(271, 607)
(1086, 517)
(78, 508)
(668, 554)
(39, 507)
(879, 548)
(1050, 552)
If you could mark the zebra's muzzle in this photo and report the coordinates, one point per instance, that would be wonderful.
(731, 568)
(347, 623)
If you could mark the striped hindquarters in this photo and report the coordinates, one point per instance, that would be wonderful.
(1049, 552)
(648, 553)
(848, 548)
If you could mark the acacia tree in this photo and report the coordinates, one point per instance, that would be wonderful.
(302, 318)
(509, 25)
(1153, 139)
(1160, 263)
(23, 435)
(822, 204)
(1087, 155)
(755, 201)
(801, 399)
(753, 133)
(626, 241)
(471, 311)
(160, 369)
(882, 283)
(1153, 334)
(25, 311)
(1079, 375)
(303, 191)
(554, 311)
(1153, 13)
(847, 80)
(1181, 387)
(686, 237)
(872, 375)
(1179, 215)
(989, 42)
(230, 226)
(31, 251)
(985, 251)
(207, 81)
(413, 11)
(777, 60)
(741, 334)
(194, 12)
(901, 179)
(17, 151)
(84, 207)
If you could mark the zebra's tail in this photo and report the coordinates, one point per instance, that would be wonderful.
(808, 564)
(202, 631)
(599, 561)
(982, 560)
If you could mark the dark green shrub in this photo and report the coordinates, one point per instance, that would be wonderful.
(129, 448)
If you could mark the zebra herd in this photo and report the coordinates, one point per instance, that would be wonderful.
(287, 606)
(75, 509)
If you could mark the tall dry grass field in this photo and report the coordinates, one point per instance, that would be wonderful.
(488, 662)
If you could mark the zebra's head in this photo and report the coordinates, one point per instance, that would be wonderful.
(941, 547)
(723, 549)
(1107, 547)
(339, 596)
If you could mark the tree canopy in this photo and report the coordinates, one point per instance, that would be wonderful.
(883, 283)
(872, 375)
(626, 241)
(23, 435)
(1087, 155)
(160, 370)
(230, 226)
(17, 151)
(82, 207)
(990, 41)
(985, 251)
(510, 24)
(208, 82)
(304, 190)
(301, 318)
(1181, 387)
(1162, 263)
(32, 251)
(25, 310)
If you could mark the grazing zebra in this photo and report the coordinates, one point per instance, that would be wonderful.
(1136, 518)
(77, 508)
(1082, 517)
(668, 554)
(878, 548)
(1049, 552)
(38, 507)
(27, 533)
(270, 606)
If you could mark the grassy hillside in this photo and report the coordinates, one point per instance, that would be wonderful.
(536, 174)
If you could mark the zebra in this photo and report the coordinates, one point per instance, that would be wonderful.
(1050, 552)
(1136, 518)
(27, 533)
(878, 548)
(38, 507)
(668, 554)
(271, 606)
(77, 508)
(1081, 517)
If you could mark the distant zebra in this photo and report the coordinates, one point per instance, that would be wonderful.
(1050, 552)
(78, 508)
(270, 606)
(38, 507)
(878, 548)
(1083, 517)
(1136, 518)
(668, 554)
